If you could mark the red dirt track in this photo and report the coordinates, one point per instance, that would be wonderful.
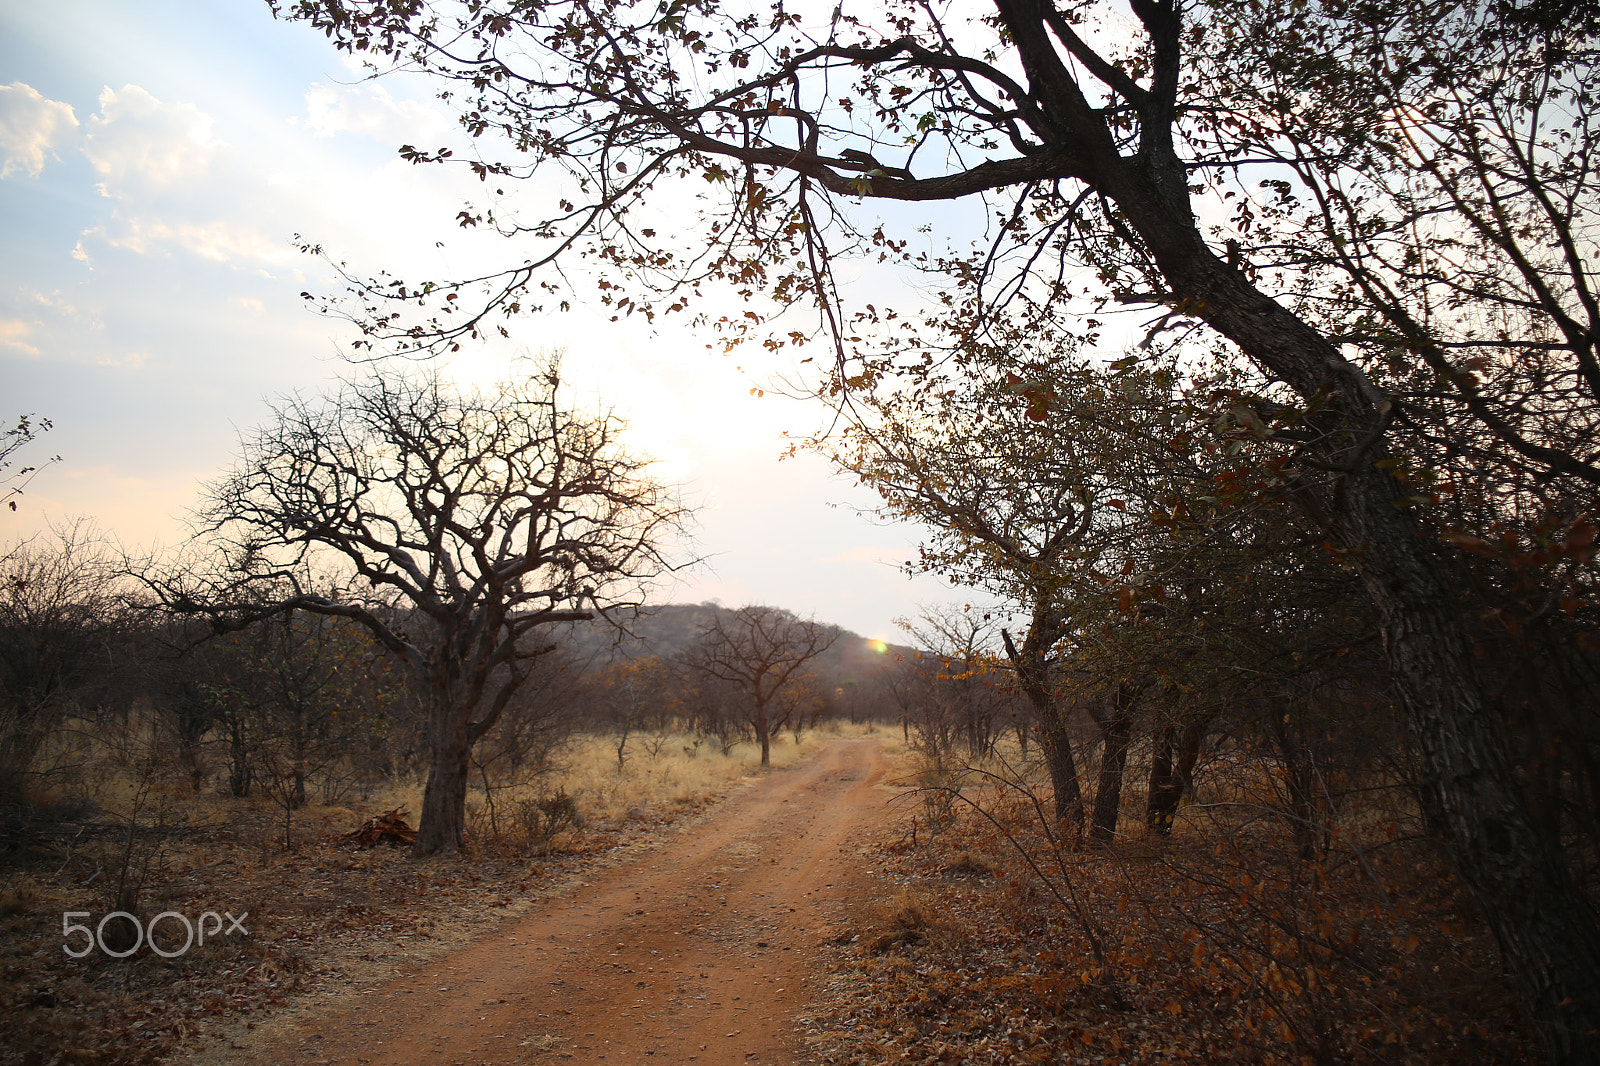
(701, 951)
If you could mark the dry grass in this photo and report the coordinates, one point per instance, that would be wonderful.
(672, 770)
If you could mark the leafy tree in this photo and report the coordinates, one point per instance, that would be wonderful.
(1022, 474)
(1430, 208)
(467, 522)
(1102, 141)
(761, 651)
(1256, 630)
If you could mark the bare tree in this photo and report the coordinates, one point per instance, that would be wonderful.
(763, 651)
(956, 691)
(61, 625)
(467, 521)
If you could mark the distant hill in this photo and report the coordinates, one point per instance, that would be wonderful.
(668, 630)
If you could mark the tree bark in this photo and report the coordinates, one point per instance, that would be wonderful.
(1114, 734)
(1032, 665)
(442, 828)
(1056, 744)
(1172, 762)
(1165, 791)
(192, 728)
(763, 734)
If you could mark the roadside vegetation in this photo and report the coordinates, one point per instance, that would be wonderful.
(324, 919)
(995, 942)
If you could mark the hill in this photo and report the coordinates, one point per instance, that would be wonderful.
(667, 631)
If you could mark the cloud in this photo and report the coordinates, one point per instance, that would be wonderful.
(31, 126)
(31, 322)
(127, 361)
(370, 110)
(216, 241)
(226, 242)
(12, 332)
(51, 301)
(139, 145)
(176, 185)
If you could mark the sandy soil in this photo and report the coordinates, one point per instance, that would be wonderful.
(701, 951)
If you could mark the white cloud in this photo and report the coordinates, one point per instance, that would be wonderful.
(217, 240)
(137, 235)
(31, 322)
(30, 127)
(224, 242)
(139, 145)
(127, 361)
(176, 185)
(54, 302)
(369, 110)
(12, 332)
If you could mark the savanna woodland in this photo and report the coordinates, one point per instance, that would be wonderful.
(1251, 360)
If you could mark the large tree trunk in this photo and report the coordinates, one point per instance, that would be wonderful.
(1544, 925)
(454, 691)
(442, 830)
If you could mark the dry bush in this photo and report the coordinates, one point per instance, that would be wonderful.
(1218, 943)
(526, 825)
(19, 897)
(899, 923)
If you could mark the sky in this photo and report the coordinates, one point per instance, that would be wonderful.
(156, 162)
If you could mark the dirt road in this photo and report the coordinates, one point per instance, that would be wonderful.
(700, 952)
